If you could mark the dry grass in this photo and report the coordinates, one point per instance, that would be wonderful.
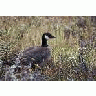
(18, 33)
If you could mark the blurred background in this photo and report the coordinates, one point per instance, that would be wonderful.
(73, 50)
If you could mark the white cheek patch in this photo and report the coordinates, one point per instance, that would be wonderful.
(46, 37)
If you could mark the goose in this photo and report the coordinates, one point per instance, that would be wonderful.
(39, 54)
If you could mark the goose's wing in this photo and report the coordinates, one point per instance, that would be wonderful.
(36, 55)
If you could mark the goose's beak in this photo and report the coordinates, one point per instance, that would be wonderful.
(52, 37)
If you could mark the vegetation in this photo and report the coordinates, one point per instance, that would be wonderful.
(73, 50)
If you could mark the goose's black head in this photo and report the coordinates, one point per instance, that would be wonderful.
(45, 37)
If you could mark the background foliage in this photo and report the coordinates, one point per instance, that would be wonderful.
(73, 50)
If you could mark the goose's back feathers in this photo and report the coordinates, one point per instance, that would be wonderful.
(36, 55)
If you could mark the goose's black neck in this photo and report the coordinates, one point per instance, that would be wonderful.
(44, 42)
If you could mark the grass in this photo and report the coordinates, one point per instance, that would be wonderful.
(18, 33)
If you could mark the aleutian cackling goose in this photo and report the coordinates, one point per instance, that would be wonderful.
(38, 55)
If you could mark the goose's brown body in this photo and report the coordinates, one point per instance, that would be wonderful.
(36, 55)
